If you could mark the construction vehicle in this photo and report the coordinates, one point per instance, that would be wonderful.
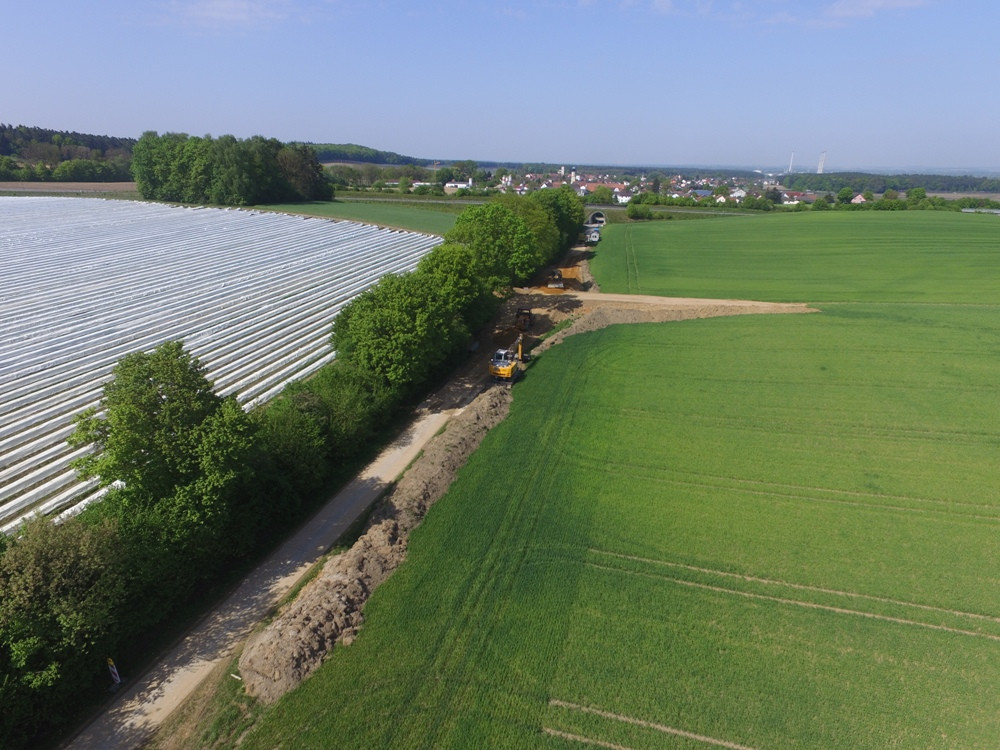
(505, 365)
(523, 319)
(556, 280)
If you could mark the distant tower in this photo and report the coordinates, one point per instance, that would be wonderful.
(822, 163)
(791, 160)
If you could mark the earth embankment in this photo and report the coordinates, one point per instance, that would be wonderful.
(329, 609)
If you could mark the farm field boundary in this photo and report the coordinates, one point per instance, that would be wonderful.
(116, 189)
(618, 607)
(588, 312)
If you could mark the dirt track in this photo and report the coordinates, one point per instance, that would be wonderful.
(329, 609)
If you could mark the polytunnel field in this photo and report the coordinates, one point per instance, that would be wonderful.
(85, 281)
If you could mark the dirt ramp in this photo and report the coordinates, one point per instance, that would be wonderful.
(329, 609)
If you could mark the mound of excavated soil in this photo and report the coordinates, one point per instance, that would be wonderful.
(328, 609)
(596, 311)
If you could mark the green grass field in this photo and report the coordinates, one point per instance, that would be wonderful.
(749, 532)
(831, 256)
(429, 218)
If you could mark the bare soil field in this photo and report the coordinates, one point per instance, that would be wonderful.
(90, 188)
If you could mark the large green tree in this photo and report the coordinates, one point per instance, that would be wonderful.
(300, 168)
(463, 170)
(601, 196)
(544, 232)
(153, 160)
(394, 331)
(177, 461)
(502, 245)
(145, 433)
(566, 211)
(60, 592)
(469, 302)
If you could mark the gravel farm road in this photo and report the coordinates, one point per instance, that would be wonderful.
(147, 699)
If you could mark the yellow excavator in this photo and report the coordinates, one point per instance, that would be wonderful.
(505, 365)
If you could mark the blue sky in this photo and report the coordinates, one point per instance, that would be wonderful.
(895, 84)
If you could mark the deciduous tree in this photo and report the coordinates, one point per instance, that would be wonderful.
(145, 435)
(501, 244)
(566, 210)
(450, 269)
(539, 222)
(393, 330)
(60, 588)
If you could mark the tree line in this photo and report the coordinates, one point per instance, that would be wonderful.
(834, 182)
(226, 171)
(196, 487)
(350, 152)
(35, 143)
(39, 154)
(915, 199)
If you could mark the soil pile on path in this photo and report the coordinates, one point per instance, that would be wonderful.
(328, 609)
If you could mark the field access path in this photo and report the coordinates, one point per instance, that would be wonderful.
(146, 700)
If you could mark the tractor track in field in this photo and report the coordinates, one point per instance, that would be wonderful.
(798, 586)
(662, 728)
(328, 610)
(803, 604)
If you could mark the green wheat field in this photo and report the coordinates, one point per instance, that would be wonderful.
(749, 532)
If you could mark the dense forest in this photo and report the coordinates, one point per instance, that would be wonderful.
(41, 144)
(29, 154)
(349, 152)
(197, 488)
(880, 183)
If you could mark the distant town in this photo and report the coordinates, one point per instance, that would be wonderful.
(39, 155)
